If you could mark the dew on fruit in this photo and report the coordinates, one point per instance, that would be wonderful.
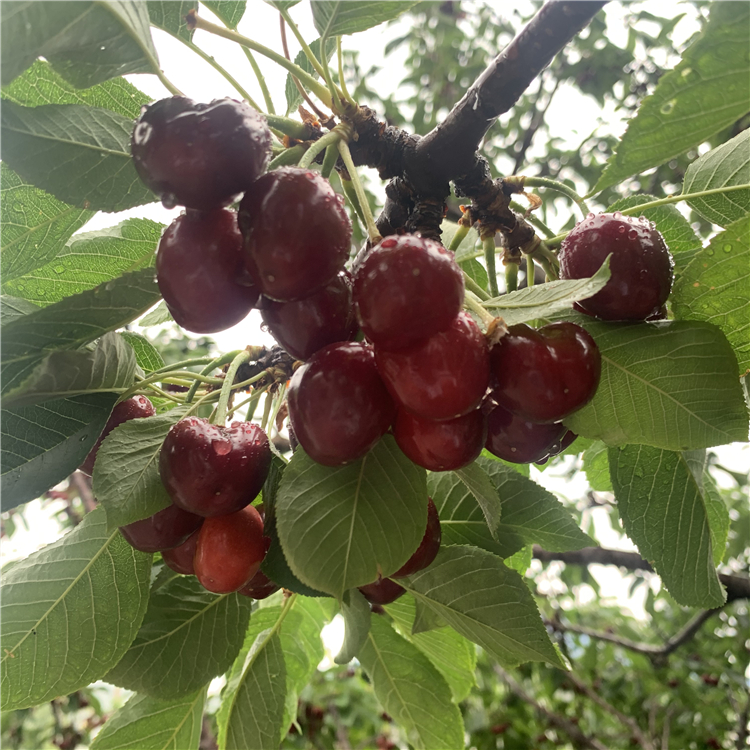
(621, 229)
(169, 201)
(617, 215)
(590, 216)
(633, 234)
(415, 272)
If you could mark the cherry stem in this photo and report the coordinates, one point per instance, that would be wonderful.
(533, 220)
(488, 243)
(458, 237)
(372, 230)
(539, 251)
(277, 402)
(255, 397)
(305, 47)
(266, 411)
(212, 365)
(530, 272)
(220, 415)
(560, 187)
(340, 57)
(287, 156)
(472, 285)
(352, 196)
(167, 83)
(473, 304)
(287, 126)
(511, 276)
(329, 161)
(261, 81)
(321, 144)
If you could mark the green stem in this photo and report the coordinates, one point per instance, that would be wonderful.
(167, 83)
(287, 126)
(277, 402)
(266, 411)
(194, 408)
(530, 272)
(220, 417)
(159, 375)
(194, 361)
(488, 244)
(287, 156)
(329, 139)
(533, 220)
(561, 187)
(340, 57)
(255, 397)
(472, 285)
(261, 81)
(540, 253)
(511, 277)
(351, 194)
(317, 67)
(330, 159)
(372, 230)
(458, 237)
(213, 364)
(474, 305)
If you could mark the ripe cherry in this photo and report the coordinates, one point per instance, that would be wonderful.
(544, 375)
(230, 550)
(180, 559)
(406, 290)
(212, 470)
(259, 587)
(441, 446)
(338, 405)
(557, 448)
(200, 155)
(443, 377)
(382, 591)
(200, 270)
(640, 266)
(513, 439)
(309, 324)
(297, 233)
(164, 530)
(428, 547)
(136, 407)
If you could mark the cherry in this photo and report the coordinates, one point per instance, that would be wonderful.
(260, 586)
(544, 375)
(309, 324)
(557, 448)
(212, 470)
(200, 155)
(229, 550)
(443, 377)
(164, 530)
(513, 439)
(297, 233)
(136, 407)
(180, 559)
(338, 405)
(382, 591)
(641, 265)
(407, 289)
(428, 547)
(441, 446)
(200, 270)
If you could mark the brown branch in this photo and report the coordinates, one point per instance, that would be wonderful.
(83, 486)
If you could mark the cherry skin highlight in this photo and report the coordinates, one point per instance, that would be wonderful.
(297, 233)
(382, 591)
(136, 407)
(200, 270)
(180, 559)
(164, 530)
(230, 550)
(545, 375)
(641, 265)
(407, 289)
(428, 547)
(211, 470)
(200, 155)
(514, 439)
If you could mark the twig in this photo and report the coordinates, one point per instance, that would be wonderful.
(341, 734)
(83, 485)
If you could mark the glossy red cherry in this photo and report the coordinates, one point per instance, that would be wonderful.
(428, 547)
(441, 446)
(445, 376)
(200, 155)
(180, 559)
(200, 270)
(309, 324)
(259, 587)
(297, 233)
(212, 470)
(338, 405)
(382, 591)
(406, 290)
(641, 265)
(164, 530)
(512, 438)
(544, 375)
(136, 407)
(230, 550)
(557, 448)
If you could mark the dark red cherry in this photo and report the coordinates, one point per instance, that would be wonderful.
(512, 438)
(441, 446)
(200, 155)
(406, 290)
(297, 233)
(212, 470)
(557, 448)
(641, 265)
(180, 559)
(164, 530)
(382, 591)
(338, 405)
(136, 407)
(309, 324)
(260, 586)
(443, 377)
(544, 375)
(230, 550)
(200, 270)
(428, 547)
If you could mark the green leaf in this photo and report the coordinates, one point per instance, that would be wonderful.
(356, 612)
(338, 17)
(715, 286)
(341, 527)
(169, 16)
(43, 444)
(69, 612)
(293, 96)
(719, 520)
(188, 637)
(706, 92)
(158, 316)
(74, 321)
(146, 355)
(89, 259)
(36, 226)
(126, 473)
(453, 655)
(521, 560)
(411, 689)
(476, 271)
(545, 300)
(40, 84)
(671, 385)
(596, 466)
(727, 165)
(480, 485)
(86, 42)
(66, 374)
(426, 619)
(41, 143)
(663, 511)
(486, 602)
(146, 723)
(229, 11)
(14, 307)
(282, 4)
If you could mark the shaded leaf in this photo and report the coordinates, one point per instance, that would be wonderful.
(596, 466)
(169, 16)
(337, 17)
(480, 485)
(356, 612)
(229, 11)
(14, 307)
(293, 96)
(158, 316)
